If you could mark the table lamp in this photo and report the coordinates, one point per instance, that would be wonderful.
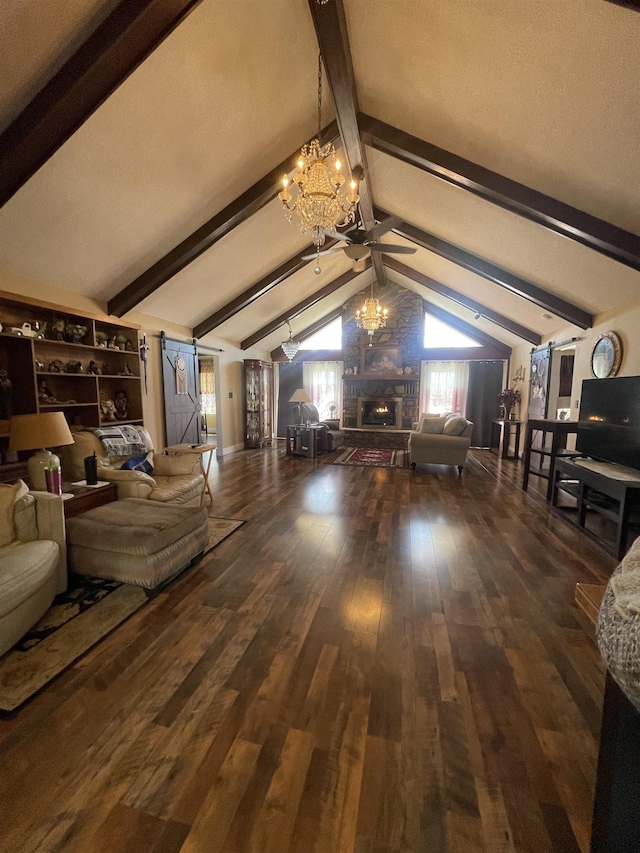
(47, 429)
(300, 396)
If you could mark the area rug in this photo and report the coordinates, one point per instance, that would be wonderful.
(78, 619)
(378, 457)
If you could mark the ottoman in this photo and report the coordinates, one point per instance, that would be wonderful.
(136, 541)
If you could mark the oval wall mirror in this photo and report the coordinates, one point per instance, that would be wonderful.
(606, 355)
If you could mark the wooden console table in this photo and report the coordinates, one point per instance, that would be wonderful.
(610, 490)
(558, 430)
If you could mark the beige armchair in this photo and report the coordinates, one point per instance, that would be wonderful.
(33, 559)
(440, 440)
(176, 479)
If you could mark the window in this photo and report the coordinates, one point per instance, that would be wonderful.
(443, 386)
(438, 334)
(329, 337)
(322, 380)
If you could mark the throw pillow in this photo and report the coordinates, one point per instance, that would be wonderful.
(8, 494)
(455, 425)
(433, 426)
(142, 462)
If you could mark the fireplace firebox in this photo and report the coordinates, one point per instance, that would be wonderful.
(381, 413)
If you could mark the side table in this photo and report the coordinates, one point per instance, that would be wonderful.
(303, 440)
(200, 450)
(506, 428)
(84, 498)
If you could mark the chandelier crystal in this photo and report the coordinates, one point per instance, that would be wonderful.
(290, 347)
(372, 316)
(319, 202)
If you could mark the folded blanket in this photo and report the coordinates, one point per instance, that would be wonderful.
(122, 440)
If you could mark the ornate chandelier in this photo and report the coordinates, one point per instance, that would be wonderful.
(290, 347)
(372, 316)
(319, 204)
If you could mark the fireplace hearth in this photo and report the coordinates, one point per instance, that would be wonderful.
(380, 413)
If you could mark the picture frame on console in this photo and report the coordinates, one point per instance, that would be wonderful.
(381, 360)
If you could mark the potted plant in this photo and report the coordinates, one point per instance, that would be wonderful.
(508, 399)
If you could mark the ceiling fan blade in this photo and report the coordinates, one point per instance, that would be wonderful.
(320, 254)
(383, 227)
(391, 249)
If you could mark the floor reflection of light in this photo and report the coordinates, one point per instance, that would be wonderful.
(364, 612)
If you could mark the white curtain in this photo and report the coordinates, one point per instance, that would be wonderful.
(322, 380)
(207, 386)
(443, 386)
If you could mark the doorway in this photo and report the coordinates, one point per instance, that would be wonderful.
(210, 421)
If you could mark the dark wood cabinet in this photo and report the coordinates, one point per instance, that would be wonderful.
(258, 403)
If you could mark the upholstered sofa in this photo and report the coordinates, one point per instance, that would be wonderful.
(332, 435)
(33, 558)
(440, 440)
(177, 479)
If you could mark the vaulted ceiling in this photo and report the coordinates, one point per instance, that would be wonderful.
(143, 143)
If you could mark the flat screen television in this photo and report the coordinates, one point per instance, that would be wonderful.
(609, 425)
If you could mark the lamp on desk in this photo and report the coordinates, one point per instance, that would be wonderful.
(47, 429)
(300, 396)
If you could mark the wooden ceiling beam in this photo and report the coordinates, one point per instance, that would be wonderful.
(112, 52)
(333, 38)
(493, 273)
(465, 328)
(278, 355)
(204, 237)
(461, 299)
(568, 221)
(310, 300)
(255, 291)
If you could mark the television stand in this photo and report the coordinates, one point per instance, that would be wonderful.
(610, 490)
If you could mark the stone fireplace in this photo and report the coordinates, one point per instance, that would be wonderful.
(388, 373)
(379, 413)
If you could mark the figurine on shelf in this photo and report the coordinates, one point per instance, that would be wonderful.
(112, 343)
(129, 346)
(57, 329)
(56, 366)
(107, 408)
(39, 364)
(75, 333)
(93, 368)
(45, 394)
(74, 367)
(126, 371)
(122, 405)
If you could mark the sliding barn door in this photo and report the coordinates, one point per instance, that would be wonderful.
(181, 392)
(539, 386)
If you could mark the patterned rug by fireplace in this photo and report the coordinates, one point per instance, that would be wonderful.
(377, 457)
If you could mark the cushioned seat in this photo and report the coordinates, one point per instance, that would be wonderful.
(332, 435)
(440, 440)
(33, 563)
(174, 479)
(136, 541)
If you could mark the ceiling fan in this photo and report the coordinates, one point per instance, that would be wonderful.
(361, 243)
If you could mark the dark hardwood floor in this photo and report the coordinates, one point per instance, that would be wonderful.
(379, 660)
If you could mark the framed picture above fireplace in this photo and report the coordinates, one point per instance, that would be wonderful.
(381, 360)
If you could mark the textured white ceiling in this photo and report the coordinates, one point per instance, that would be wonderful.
(544, 92)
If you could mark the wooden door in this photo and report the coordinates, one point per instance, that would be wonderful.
(181, 391)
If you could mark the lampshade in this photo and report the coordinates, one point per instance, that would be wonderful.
(47, 429)
(300, 396)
